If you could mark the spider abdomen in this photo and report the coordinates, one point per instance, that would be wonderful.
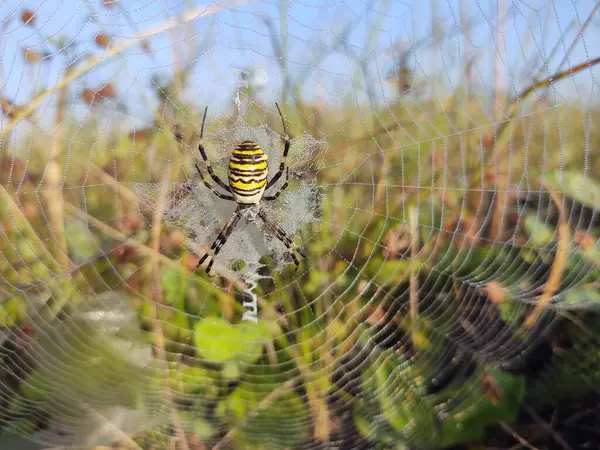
(248, 172)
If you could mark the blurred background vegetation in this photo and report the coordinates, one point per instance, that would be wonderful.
(450, 296)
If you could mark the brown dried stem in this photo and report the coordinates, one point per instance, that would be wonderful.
(414, 280)
(558, 265)
(52, 179)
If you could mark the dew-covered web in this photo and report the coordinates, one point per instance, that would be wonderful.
(201, 214)
(442, 182)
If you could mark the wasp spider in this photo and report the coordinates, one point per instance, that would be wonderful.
(247, 175)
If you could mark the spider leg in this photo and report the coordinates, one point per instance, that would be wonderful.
(209, 168)
(277, 176)
(286, 149)
(281, 189)
(283, 237)
(213, 190)
(211, 172)
(220, 241)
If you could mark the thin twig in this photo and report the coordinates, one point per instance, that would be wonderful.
(52, 180)
(579, 34)
(519, 438)
(554, 78)
(557, 437)
(558, 265)
(520, 97)
(414, 280)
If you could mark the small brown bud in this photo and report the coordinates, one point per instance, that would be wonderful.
(107, 91)
(28, 17)
(487, 141)
(102, 40)
(146, 46)
(88, 96)
(9, 108)
(109, 3)
(141, 135)
(496, 292)
(31, 210)
(31, 56)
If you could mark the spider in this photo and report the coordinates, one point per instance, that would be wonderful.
(247, 175)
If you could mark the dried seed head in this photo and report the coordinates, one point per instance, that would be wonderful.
(28, 17)
(496, 292)
(487, 141)
(107, 91)
(9, 108)
(142, 134)
(31, 56)
(178, 132)
(88, 96)
(102, 40)
(146, 46)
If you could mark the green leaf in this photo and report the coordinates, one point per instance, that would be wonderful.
(391, 393)
(12, 312)
(196, 380)
(540, 234)
(82, 244)
(282, 420)
(219, 341)
(383, 272)
(579, 187)
(172, 285)
(584, 296)
(363, 426)
(203, 429)
(231, 370)
(480, 411)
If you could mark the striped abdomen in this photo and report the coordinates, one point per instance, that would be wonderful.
(248, 171)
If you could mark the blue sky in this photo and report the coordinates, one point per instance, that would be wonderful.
(238, 37)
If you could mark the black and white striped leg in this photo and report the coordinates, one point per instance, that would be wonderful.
(277, 176)
(283, 237)
(220, 241)
(281, 189)
(209, 168)
(213, 190)
(286, 150)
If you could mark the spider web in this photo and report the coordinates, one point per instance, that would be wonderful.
(442, 183)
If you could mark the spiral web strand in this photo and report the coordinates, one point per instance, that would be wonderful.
(443, 183)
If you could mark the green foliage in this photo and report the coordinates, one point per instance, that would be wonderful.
(582, 188)
(540, 233)
(219, 341)
(501, 404)
(12, 312)
(262, 415)
(391, 391)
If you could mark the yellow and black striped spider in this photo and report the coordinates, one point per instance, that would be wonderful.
(247, 174)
